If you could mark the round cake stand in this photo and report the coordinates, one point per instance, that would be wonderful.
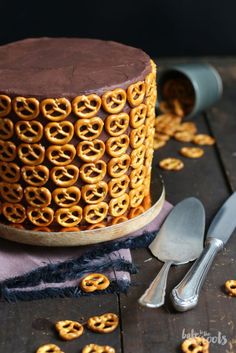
(94, 236)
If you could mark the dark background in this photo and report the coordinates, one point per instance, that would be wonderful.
(160, 27)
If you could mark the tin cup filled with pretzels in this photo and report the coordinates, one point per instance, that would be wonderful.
(188, 89)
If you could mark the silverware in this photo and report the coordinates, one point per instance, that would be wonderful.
(185, 295)
(179, 240)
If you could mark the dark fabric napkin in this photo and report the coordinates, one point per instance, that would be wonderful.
(28, 272)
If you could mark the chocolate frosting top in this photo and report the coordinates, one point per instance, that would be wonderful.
(68, 67)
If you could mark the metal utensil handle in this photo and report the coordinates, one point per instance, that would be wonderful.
(185, 295)
(154, 296)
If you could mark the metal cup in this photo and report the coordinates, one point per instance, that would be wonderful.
(205, 80)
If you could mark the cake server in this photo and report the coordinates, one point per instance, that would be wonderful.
(185, 295)
(179, 240)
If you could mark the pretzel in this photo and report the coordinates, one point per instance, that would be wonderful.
(138, 116)
(105, 323)
(93, 282)
(114, 101)
(69, 330)
(90, 151)
(230, 287)
(95, 213)
(29, 131)
(117, 124)
(42, 216)
(171, 164)
(37, 197)
(65, 176)
(119, 206)
(94, 193)
(188, 126)
(137, 176)
(55, 109)
(161, 137)
(148, 163)
(203, 139)
(69, 217)
(5, 105)
(31, 154)
(158, 144)
(192, 152)
(183, 136)
(6, 129)
(49, 348)
(11, 192)
(94, 348)
(70, 229)
(89, 129)
(136, 93)
(118, 186)
(93, 172)
(137, 211)
(118, 166)
(66, 197)
(59, 133)
(137, 156)
(7, 151)
(136, 196)
(36, 176)
(117, 146)
(26, 108)
(195, 345)
(86, 106)
(150, 81)
(10, 172)
(42, 229)
(61, 155)
(120, 219)
(96, 226)
(137, 136)
(14, 213)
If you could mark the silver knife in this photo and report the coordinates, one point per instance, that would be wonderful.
(185, 295)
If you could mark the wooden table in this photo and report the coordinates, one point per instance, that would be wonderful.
(25, 326)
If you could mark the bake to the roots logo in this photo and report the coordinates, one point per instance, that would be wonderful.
(219, 338)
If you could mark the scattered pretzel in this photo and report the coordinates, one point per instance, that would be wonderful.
(93, 282)
(86, 106)
(203, 139)
(105, 323)
(89, 129)
(66, 197)
(26, 108)
(188, 126)
(192, 152)
(91, 151)
(195, 345)
(117, 146)
(137, 156)
(11, 192)
(230, 287)
(61, 155)
(161, 137)
(158, 144)
(35, 175)
(31, 154)
(136, 196)
(65, 176)
(114, 101)
(69, 330)
(6, 129)
(117, 124)
(94, 348)
(10, 172)
(14, 213)
(118, 166)
(118, 186)
(29, 131)
(119, 206)
(55, 109)
(183, 136)
(5, 105)
(137, 136)
(69, 217)
(94, 193)
(42, 216)
(93, 172)
(171, 164)
(136, 93)
(7, 151)
(59, 133)
(37, 197)
(138, 116)
(95, 213)
(49, 348)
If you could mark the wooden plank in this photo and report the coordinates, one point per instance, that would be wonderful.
(24, 326)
